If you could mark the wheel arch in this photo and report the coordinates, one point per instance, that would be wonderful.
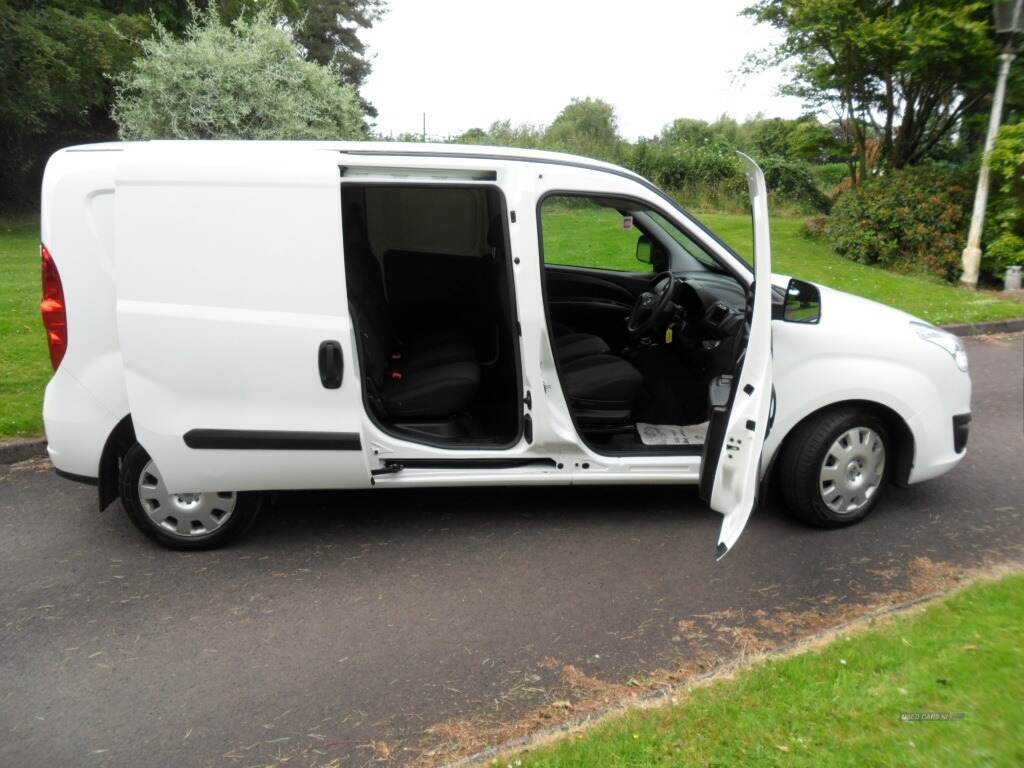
(120, 439)
(902, 448)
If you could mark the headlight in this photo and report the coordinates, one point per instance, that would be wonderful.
(945, 340)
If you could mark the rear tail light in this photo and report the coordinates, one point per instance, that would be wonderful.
(55, 318)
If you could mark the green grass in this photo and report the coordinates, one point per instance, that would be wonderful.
(24, 359)
(590, 237)
(811, 259)
(841, 706)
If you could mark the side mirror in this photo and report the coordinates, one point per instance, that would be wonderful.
(803, 303)
(644, 250)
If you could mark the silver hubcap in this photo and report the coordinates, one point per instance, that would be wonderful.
(183, 514)
(852, 470)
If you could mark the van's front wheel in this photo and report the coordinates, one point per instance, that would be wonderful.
(188, 521)
(832, 470)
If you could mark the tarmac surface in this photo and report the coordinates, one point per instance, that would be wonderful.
(393, 626)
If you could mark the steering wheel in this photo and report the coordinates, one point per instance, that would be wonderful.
(652, 305)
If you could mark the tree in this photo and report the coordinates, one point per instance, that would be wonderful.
(53, 85)
(814, 141)
(805, 138)
(473, 136)
(1004, 228)
(586, 127)
(243, 80)
(903, 72)
(504, 134)
(329, 31)
(688, 130)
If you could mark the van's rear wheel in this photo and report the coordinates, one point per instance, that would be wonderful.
(832, 471)
(181, 520)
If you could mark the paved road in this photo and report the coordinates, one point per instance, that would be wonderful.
(345, 626)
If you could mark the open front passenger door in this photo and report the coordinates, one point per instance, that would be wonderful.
(741, 404)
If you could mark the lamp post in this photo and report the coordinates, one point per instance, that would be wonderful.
(1009, 19)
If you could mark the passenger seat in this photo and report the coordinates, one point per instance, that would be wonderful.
(601, 390)
(573, 346)
(599, 386)
(570, 345)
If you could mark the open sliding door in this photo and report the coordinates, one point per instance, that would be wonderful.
(233, 318)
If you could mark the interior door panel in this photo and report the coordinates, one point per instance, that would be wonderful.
(594, 300)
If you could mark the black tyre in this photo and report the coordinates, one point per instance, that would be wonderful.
(187, 521)
(834, 467)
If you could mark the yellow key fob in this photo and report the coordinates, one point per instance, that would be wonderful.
(668, 335)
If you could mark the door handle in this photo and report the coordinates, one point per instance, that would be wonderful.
(332, 365)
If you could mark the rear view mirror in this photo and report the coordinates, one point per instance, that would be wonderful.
(644, 251)
(803, 303)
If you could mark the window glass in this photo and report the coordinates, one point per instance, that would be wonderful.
(602, 233)
(585, 232)
(684, 240)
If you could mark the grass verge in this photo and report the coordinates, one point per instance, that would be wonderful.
(24, 359)
(924, 296)
(843, 704)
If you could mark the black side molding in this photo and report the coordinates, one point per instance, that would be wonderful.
(272, 440)
(391, 466)
(84, 479)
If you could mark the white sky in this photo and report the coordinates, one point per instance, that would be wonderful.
(467, 63)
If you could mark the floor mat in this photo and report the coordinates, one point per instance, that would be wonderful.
(671, 434)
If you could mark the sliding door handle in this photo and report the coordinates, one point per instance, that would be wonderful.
(332, 365)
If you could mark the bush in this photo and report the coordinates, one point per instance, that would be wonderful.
(830, 175)
(586, 127)
(907, 220)
(713, 173)
(246, 80)
(1004, 231)
(814, 227)
(687, 166)
(793, 180)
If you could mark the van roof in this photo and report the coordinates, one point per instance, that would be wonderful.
(378, 148)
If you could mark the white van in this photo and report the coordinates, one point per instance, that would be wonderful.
(226, 318)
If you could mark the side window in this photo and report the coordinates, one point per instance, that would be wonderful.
(589, 232)
(690, 248)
